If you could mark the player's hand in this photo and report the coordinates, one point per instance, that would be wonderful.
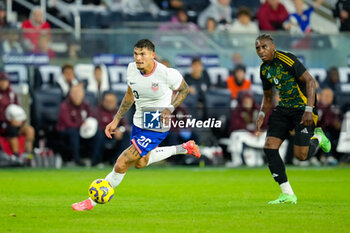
(259, 123)
(165, 117)
(109, 130)
(307, 119)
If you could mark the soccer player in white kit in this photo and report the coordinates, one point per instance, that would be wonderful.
(150, 86)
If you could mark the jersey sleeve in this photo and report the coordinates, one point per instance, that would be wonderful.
(174, 79)
(297, 68)
(128, 72)
(265, 83)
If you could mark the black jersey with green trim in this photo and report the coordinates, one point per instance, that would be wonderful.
(283, 73)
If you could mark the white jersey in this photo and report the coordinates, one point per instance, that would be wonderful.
(153, 90)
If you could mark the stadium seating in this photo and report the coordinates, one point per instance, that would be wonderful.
(196, 5)
(90, 98)
(46, 76)
(218, 76)
(89, 19)
(342, 95)
(140, 17)
(19, 80)
(117, 78)
(217, 105)
(191, 103)
(344, 74)
(46, 104)
(318, 73)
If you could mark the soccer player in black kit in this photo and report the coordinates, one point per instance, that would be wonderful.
(296, 110)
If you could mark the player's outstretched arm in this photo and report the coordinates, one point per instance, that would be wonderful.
(306, 77)
(126, 104)
(266, 106)
(181, 94)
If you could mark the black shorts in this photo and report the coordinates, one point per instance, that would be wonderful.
(284, 120)
(7, 130)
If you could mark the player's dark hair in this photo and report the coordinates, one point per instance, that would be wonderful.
(265, 37)
(145, 43)
(97, 67)
(195, 60)
(108, 93)
(244, 11)
(67, 66)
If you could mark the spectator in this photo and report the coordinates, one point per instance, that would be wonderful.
(220, 10)
(105, 113)
(242, 128)
(329, 120)
(170, 4)
(244, 23)
(271, 15)
(243, 117)
(198, 80)
(332, 79)
(3, 22)
(133, 7)
(342, 11)
(237, 59)
(237, 82)
(33, 28)
(44, 46)
(210, 25)
(300, 20)
(67, 79)
(11, 44)
(72, 114)
(179, 22)
(74, 49)
(12, 119)
(99, 84)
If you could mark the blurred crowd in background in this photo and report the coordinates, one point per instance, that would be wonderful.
(62, 116)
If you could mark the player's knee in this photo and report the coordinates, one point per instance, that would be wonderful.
(139, 165)
(120, 166)
(301, 155)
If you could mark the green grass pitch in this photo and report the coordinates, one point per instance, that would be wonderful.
(158, 199)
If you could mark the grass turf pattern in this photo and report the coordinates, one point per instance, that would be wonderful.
(175, 200)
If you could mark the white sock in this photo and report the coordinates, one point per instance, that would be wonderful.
(161, 153)
(115, 178)
(92, 202)
(286, 188)
(319, 137)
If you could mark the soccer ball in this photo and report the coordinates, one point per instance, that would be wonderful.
(101, 191)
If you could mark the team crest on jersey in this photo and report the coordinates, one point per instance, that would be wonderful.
(155, 86)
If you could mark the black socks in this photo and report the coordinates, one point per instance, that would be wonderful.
(276, 165)
(313, 147)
